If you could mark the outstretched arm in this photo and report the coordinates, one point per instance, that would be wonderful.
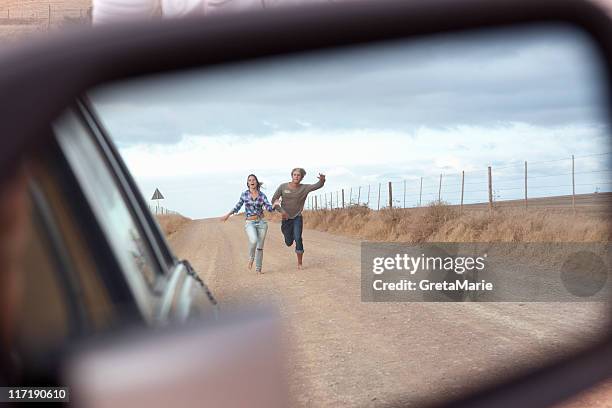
(234, 210)
(318, 184)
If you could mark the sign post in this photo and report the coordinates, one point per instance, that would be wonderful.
(157, 195)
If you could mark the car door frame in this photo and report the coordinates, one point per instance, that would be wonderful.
(179, 277)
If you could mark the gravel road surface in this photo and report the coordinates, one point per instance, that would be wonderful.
(344, 352)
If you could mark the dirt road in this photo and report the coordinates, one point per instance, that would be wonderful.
(348, 353)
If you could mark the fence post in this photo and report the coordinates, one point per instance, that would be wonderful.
(390, 196)
(573, 187)
(350, 196)
(368, 203)
(440, 190)
(378, 207)
(525, 185)
(421, 191)
(404, 193)
(358, 195)
(462, 190)
(490, 191)
(315, 198)
(342, 198)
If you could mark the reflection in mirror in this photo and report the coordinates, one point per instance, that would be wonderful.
(496, 142)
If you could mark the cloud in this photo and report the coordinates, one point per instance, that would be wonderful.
(202, 173)
(367, 115)
(338, 151)
(537, 76)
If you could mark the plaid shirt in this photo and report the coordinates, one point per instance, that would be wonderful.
(253, 206)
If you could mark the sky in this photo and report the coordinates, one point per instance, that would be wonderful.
(368, 115)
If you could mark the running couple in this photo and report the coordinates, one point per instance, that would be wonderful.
(289, 199)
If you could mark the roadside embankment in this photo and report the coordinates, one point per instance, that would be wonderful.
(444, 223)
(171, 223)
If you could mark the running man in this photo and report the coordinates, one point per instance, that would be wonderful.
(293, 196)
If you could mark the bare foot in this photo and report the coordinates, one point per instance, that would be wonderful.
(300, 267)
(250, 266)
(258, 271)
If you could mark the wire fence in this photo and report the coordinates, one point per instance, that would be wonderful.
(159, 210)
(579, 179)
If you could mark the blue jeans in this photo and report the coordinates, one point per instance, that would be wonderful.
(256, 231)
(292, 231)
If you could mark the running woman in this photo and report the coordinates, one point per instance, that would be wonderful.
(255, 226)
(293, 195)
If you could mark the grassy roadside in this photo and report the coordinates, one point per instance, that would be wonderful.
(171, 223)
(444, 223)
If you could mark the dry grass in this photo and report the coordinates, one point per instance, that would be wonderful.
(171, 223)
(444, 223)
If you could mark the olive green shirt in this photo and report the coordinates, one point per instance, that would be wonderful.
(293, 199)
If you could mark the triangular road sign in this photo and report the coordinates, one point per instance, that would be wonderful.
(157, 195)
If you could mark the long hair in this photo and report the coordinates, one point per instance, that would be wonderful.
(256, 179)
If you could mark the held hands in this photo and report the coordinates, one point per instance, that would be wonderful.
(321, 178)
(277, 204)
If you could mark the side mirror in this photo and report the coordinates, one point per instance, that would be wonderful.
(383, 76)
(191, 272)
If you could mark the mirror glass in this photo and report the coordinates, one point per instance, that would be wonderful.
(492, 144)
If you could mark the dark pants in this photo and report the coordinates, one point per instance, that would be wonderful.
(292, 231)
